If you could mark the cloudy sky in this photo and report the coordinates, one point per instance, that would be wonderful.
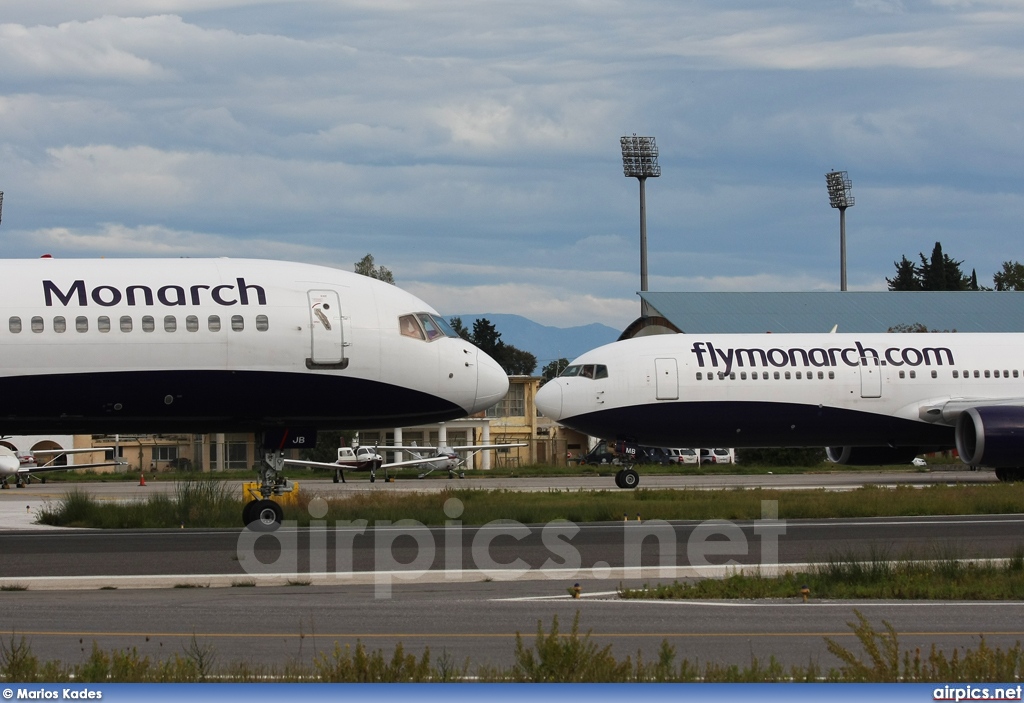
(473, 147)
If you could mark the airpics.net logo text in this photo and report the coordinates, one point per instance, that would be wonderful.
(725, 359)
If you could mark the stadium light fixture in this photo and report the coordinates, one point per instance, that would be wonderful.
(840, 196)
(640, 161)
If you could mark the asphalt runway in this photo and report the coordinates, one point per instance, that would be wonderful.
(117, 588)
(476, 622)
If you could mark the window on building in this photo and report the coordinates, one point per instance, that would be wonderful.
(236, 455)
(512, 405)
(165, 453)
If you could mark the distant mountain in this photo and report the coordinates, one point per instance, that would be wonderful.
(544, 342)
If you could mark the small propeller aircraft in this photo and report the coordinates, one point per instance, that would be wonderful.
(357, 458)
(447, 458)
(22, 465)
(363, 458)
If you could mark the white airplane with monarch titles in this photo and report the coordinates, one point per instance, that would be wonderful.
(868, 398)
(227, 345)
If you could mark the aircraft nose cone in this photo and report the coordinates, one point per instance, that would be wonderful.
(549, 400)
(491, 382)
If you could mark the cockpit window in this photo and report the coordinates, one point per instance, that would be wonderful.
(409, 327)
(586, 371)
(423, 325)
(445, 327)
(429, 326)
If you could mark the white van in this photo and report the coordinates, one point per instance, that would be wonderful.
(682, 456)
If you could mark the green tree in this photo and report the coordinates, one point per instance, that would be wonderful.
(460, 329)
(552, 369)
(517, 362)
(907, 276)
(365, 267)
(486, 336)
(1011, 277)
(937, 272)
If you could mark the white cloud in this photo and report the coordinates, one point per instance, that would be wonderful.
(473, 148)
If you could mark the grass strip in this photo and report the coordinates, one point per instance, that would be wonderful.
(555, 657)
(941, 578)
(210, 503)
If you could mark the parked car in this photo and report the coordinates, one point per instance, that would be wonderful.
(722, 456)
(715, 456)
(653, 455)
(682, 456)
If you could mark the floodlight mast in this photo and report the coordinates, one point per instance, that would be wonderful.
(840, 196)
(640, 161)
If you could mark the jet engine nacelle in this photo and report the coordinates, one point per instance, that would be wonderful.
(871, 456)
(991, 436)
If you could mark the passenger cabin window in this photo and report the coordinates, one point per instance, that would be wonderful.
(237, 324)
(148, 324)
(262, 323)
(126, 323)
(192, 323)
(213, 323)
(60, 324)
(170, 323)
(81, 324)
(37, 324)
(103, 323)
(14, 325)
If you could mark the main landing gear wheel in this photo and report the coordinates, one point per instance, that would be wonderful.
(627, 478)
(262, 515)
(1010, 475)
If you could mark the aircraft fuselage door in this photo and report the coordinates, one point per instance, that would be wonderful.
(870, 377)
(327, 341)
(666, 379)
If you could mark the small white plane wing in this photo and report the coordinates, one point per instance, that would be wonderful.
(55, 454)
(460, 448)
(334, 465)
